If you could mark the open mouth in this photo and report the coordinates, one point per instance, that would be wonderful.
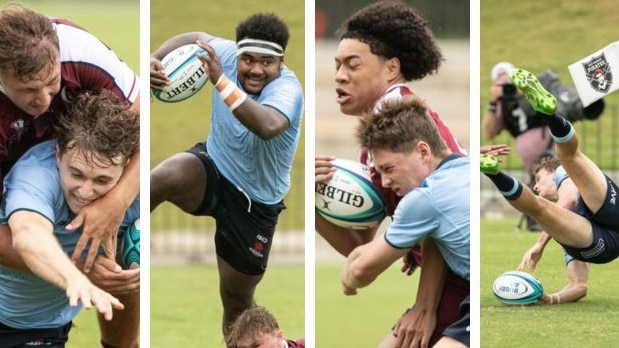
(341, 96)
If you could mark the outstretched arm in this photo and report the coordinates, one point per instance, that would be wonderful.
(367, 262)
(34, 241)
(262, 120)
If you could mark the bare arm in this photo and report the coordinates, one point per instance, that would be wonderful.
(416, 326)
(180, 40)
(577, 286)
(367, 262)
(264, 121)
(34, 241)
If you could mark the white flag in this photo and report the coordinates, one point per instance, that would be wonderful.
(594, 75)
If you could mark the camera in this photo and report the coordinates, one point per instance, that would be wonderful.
(509, 90)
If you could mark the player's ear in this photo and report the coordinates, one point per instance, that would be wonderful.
(57, 153)
(279, 334)
(393, 67)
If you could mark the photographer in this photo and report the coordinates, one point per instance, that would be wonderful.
(508, 109)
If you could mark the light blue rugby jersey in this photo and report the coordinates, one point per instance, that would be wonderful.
(261, 168)
(439, 209)
(26, 301)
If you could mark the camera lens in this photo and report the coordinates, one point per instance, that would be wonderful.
(509, 90)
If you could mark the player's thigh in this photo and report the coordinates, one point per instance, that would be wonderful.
(181, 180)
(565, 226)
(588, 178)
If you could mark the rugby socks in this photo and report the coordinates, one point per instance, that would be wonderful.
(508, 186)
(560, 128)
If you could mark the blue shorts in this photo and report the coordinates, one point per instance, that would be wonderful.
(27, 338)
(244, 228)
(605, 226)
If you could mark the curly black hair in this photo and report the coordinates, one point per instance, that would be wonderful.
(264, 26)
(394, 29)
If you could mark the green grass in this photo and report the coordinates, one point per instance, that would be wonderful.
(362, 320)
(123, 38)
(591, 322)
(186, 310)
(178, 126)
(540, 35)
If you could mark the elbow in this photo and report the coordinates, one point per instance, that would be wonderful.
(20, 244)
(581, 292)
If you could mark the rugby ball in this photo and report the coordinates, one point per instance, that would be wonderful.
(186, 73)
(517, 288)
(350, 199)
(131, 246)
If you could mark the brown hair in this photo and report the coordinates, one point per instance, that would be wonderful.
(549, 163)
(100, 126)
(28, 42)
(398, 126)
(252, 322)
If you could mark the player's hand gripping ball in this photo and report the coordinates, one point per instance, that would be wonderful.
(186, 73)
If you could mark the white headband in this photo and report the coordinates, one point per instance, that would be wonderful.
(259, 46)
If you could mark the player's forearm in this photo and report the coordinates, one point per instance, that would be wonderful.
(343, 240)
(433, 275)
(178, 41)
(125, 192)
(42, 254)
(543, 239)
(568, 294)
(264, 121)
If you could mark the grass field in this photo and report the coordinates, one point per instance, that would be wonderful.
(123, 38)
(591, 322)
(186, 310)
(541, 35)
(361, 320)
(176, 127)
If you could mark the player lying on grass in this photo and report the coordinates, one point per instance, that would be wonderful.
(415, 162)
(48, 186)
(584, 219)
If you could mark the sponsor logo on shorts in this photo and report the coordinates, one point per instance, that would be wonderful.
(258, 247)
(595, 251)
(613, 193)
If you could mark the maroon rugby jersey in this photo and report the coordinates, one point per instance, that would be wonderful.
(86, 65)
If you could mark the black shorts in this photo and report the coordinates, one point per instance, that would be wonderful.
(26, 338)
(461, 329)
(244, 228)
(605, 226)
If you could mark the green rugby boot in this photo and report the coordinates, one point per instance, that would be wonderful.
(539, 98)
(488, 164)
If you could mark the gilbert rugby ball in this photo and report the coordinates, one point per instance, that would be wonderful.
(131, 246)
(517, 288)
(186, 73)
(350, 199)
